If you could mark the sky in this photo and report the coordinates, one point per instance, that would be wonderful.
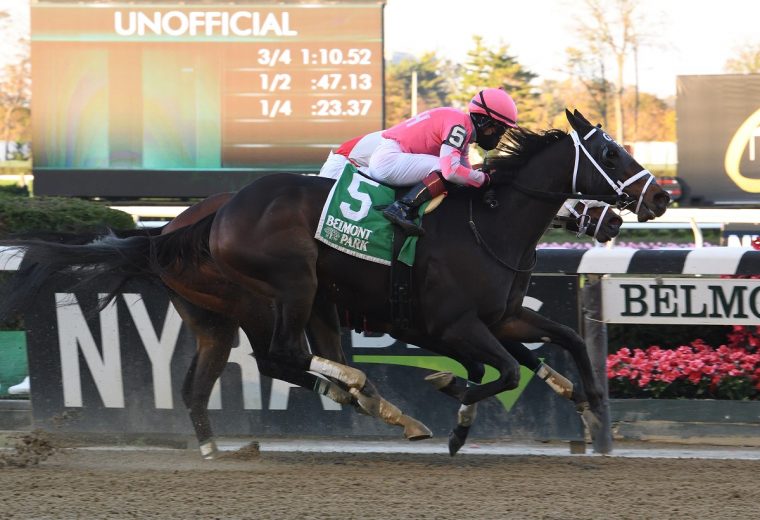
(689, 36)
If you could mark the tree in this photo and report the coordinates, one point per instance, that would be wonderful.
(496, 67)
(591, 74)
(15, 97)
(433, 86)
(555, 96)
(613, 27)
(656, 118)
(746, 61)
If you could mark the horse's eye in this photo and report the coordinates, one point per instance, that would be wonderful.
(609, 154)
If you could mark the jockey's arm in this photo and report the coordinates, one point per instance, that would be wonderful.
(455, 167)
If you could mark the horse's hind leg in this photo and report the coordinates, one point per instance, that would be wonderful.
(207, 365)
(214, 336)
(323, 332)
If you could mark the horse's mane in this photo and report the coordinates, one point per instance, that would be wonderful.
(519, 145)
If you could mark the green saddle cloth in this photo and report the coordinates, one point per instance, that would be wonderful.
(351, 223)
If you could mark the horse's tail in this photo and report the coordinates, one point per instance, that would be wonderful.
(109, 261)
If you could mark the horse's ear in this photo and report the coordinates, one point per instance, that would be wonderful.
(574, 121)
(580, 116)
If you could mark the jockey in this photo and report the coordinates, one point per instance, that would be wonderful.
(432, 147)
(357, 151)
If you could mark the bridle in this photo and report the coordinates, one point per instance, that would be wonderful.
(623, 199)
(568, 213)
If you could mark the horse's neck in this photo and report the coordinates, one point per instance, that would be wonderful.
(551, 170)
(528, 216)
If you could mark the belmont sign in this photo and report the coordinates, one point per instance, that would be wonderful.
(711, 301)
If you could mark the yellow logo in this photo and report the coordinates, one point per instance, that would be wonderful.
(746, 132)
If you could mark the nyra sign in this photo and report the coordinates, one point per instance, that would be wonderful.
(710, 301)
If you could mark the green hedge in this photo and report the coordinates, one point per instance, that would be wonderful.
(23, 214)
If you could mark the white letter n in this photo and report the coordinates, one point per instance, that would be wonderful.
(73, 334)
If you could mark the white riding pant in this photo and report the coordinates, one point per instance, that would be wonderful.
(390, 165)
(333, 166)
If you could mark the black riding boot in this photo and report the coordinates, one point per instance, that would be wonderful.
(403, 211)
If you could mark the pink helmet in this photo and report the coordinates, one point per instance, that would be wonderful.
(496, 104)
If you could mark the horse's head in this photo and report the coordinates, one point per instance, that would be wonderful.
(596, 219)
(604, 166)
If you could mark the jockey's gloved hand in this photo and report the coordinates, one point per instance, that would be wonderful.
(486, 179)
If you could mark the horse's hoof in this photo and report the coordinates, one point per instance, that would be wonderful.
(209, 451)
(597, 425)
(440, 380)
(414, 430)
(589, 418)
(455, 441)
(592, 421)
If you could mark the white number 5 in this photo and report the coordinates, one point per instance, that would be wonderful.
(363, 198)
(456, 136)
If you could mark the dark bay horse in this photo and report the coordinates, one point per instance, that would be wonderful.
(468, 291)
(200, 295)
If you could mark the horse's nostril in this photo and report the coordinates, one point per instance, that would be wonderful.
(662, 199)
(616, 222)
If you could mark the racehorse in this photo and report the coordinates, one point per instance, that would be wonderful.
(594, 219)
(487, 278)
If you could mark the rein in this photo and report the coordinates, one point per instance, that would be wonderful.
(481, 242)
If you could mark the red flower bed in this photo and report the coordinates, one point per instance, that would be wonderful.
(697, 370)
(690, 371)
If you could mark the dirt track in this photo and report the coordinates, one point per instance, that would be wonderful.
(78, 483)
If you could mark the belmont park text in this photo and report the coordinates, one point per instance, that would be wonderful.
(209, 23)
(353, 236)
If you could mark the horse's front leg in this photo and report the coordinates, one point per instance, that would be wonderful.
(447, 383)
(529, 326)
(468, 341)
(467, 412)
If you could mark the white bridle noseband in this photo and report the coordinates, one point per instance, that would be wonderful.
(583, 218)
(618, 186)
